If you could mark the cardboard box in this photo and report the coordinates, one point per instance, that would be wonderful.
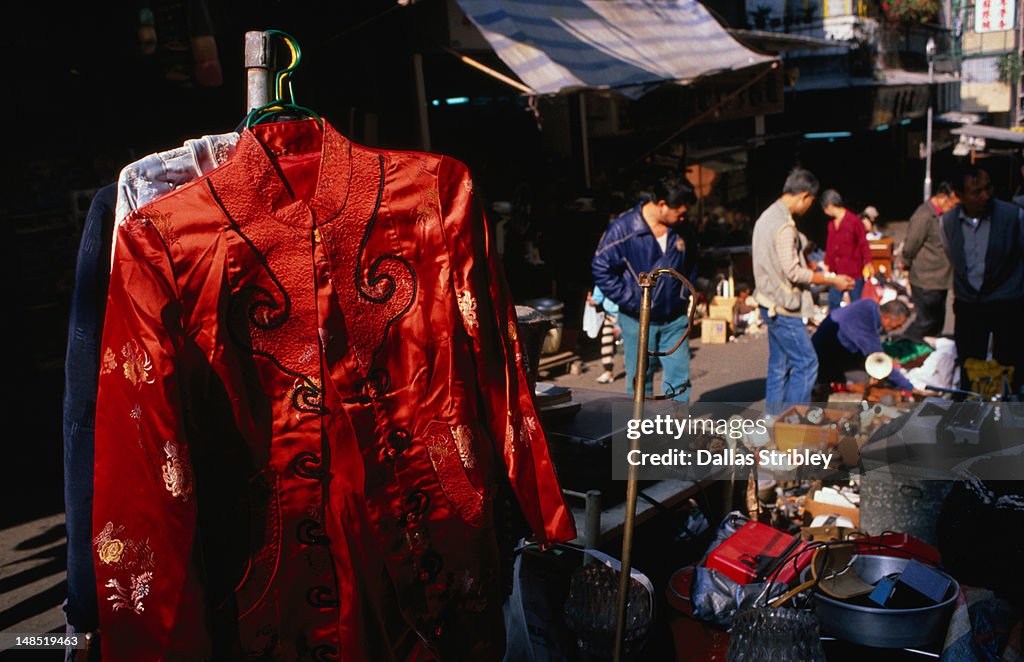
(723, 308)
(805, 435)
(879, 393)
(815, 508)
(714, 332)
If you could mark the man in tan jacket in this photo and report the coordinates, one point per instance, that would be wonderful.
(782, 290)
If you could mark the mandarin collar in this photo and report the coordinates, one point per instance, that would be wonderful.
(253, 184)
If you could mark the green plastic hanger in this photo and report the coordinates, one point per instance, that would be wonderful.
(278, 106)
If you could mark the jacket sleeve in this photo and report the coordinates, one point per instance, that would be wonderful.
(862, 243)
(829, 247)
(1020, 229)
(612, 272)
(692, 251)
(788, 244)
(868, 342)
(81, 370)
(900, 379)
(490, 321)
(144, 512)
(917, 231)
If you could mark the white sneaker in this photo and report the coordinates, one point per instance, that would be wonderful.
(606, 378)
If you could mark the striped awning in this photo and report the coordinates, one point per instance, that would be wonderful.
(563, 45)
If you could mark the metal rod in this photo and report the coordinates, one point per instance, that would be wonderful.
(421, 102)
(259, 66)
(584, 139)
(930, 48)
(646, 288)
(691, 311)
(710, 111)
(491, 72)
(643, 353)
(592, 525)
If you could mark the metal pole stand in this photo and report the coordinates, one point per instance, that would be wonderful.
(259, 68)
(647, 282)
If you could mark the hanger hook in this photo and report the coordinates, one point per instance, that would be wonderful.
(286, 73)
(260, 114)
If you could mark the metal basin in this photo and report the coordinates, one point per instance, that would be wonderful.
(555, 312)
(533, 328)
(877, 626)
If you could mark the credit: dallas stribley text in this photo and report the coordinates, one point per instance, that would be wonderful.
(731, 457)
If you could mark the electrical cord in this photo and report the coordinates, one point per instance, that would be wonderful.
(795, 555)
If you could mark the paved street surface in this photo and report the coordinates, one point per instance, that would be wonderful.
(732, 372)
(33, 558)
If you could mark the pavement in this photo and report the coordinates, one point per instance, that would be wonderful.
(731, 372)
(33, 573)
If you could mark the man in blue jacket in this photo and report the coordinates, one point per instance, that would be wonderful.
(643, 239)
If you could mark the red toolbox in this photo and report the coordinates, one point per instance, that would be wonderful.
(754, 552)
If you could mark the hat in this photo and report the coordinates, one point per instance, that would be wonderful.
(870, 212)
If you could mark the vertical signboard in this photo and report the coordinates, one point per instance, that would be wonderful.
(994, 15)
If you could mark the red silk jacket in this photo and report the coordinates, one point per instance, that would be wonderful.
(310, 385)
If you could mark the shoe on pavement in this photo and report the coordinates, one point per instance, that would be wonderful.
(606, 378)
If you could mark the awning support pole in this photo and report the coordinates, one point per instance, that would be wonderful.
(584, 139)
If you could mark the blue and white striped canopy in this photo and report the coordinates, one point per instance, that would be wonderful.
(561, 45)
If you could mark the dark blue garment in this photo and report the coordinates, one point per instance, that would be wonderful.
(846, 337)
(629, 248)
(81, 375)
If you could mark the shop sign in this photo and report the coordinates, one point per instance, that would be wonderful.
(994, 15)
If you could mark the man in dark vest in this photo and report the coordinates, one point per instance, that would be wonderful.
(985, 240)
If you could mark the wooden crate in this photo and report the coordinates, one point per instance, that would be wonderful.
(714, 332)
(815, 508)
(805, 435)
(881, 254)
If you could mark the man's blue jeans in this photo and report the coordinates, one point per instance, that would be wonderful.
(675, 367)
(792, 363)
